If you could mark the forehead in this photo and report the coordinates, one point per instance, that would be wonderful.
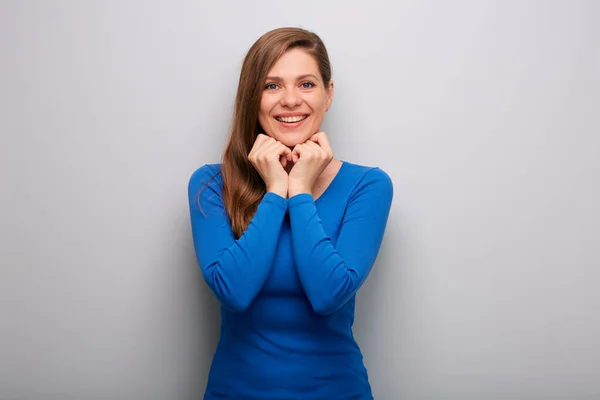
(295, 62)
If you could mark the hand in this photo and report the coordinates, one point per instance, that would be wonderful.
(269, 157)
(310, 160)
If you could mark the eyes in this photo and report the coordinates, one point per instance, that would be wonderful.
(303, 85)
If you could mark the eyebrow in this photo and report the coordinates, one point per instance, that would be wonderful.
(276, 78)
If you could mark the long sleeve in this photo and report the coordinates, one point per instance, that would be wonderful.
(235, 270)
(331, 275)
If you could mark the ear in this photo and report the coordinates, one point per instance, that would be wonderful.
(329, 95)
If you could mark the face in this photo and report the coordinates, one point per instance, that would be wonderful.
(294, 99)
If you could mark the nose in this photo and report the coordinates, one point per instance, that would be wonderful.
(290, 98)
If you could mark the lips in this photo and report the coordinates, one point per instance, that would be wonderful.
(292, 119)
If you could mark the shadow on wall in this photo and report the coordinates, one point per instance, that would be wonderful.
(382, 313)
(203, 311)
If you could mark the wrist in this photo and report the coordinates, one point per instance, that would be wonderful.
(294, 190)
(278, 190)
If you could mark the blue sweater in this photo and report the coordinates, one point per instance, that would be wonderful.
(287, 287)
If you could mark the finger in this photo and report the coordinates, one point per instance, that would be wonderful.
(316, 151)
(260, 139)
(310, 148)
(270, 146)
(297, 149)
(284, 150)
(322, 139)
(302, 151)
(266, 150)
(284, 153)
(312, 145)
(268, 142)
(296, 153)
(273, 149)
(260, 142)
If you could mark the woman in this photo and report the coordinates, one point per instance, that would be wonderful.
(285, 233)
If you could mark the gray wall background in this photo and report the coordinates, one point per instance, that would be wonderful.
(485, 114)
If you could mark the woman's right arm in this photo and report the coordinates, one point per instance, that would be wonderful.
(235, 270)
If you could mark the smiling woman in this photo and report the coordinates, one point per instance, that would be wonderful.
(295, 99)
(285, 234)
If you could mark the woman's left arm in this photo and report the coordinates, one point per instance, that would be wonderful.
(331, 275)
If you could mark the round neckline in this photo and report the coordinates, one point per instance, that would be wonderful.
(333, 181)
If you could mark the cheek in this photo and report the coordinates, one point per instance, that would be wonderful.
(319, 103)
(263, 108)
(319, 107)
(265, 104)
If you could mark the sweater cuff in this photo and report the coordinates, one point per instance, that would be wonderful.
(276, 199)
(299, 199)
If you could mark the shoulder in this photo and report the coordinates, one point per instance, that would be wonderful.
(370, 178)
(204, 175)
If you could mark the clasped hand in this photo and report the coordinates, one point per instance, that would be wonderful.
(271, 157)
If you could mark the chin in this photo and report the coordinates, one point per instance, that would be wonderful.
(291, 139)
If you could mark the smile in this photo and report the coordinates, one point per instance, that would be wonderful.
(291, 120)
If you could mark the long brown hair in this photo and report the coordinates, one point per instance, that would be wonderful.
(243, 187)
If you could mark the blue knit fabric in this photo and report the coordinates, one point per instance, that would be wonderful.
(287, 286)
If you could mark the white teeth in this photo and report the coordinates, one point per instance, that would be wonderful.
(291, 119)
